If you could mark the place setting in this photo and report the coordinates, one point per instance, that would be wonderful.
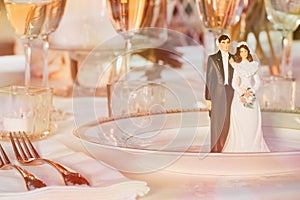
(26, 118)
(26, 134)
(97, 179)
(109, 102)
(29, 120)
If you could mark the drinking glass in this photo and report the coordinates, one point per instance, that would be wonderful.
(131, 18)
(26, 108)
(218, 15)
(27, 18)
(132, 97)
(285, 16)
(55, 11)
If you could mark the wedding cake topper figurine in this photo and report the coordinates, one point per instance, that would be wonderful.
(231, 84)
(219, 93)
(245, 132)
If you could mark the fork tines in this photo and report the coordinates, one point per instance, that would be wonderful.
(20, 143)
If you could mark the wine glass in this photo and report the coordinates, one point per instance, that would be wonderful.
(218, 15)
(55, 11)
(131, 17)
(285, 16)
(27, 18)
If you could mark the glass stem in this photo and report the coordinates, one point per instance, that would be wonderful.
(126, 58)
(123, 67)
(46, 67)
(128, 46)
(27, 47)
(286, 65)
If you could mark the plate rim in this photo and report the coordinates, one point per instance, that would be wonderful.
(105, 120)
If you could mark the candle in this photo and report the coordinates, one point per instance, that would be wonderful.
(20, 121)
(26, 109)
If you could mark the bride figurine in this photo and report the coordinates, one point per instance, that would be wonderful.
(245, 132)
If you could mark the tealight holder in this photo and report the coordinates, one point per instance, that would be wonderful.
(278, 93)
(25, 109)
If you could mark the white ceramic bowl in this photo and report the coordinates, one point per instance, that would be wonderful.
(178, 142)
(12, 69)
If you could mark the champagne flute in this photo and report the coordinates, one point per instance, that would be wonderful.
(27, 18)
(218, 15)
(285, 16)
(55, 11)
(129, 17)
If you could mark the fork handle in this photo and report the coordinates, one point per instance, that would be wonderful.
(59, 167)
(32, 182)
(68, 175)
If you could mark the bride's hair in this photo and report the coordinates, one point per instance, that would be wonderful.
(238, 58)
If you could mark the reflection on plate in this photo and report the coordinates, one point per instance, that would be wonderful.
(12, 69)
(179, 142)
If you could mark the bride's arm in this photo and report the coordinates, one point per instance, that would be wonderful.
(257, 81)
(236, 82)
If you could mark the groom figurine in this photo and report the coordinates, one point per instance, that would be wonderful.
(219, 93)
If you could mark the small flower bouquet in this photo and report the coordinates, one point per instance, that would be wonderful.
(248, 97)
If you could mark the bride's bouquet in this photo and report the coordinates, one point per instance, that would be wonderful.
(248, 97)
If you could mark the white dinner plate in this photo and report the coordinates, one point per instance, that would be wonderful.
(12, 69)
(179, 142)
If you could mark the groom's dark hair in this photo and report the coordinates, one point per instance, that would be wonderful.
(223, 37)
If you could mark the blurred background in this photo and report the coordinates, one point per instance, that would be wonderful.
(252, 25)
(183, 19)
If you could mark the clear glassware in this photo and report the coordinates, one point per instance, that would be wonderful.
(55, 11)
(285, 16)
(131, 97)
(26, 108)
(85, 25)
(217, 15)
(27, 18)
(131, 18)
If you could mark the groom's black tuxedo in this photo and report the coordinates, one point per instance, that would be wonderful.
(220, 96)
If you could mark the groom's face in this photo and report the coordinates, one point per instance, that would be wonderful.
(224, 45)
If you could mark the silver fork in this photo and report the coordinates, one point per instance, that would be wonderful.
(26, 154)
(32, 182)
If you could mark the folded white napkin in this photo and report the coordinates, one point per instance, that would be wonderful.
(106, 182)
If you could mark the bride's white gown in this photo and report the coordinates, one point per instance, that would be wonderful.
(245, 132)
